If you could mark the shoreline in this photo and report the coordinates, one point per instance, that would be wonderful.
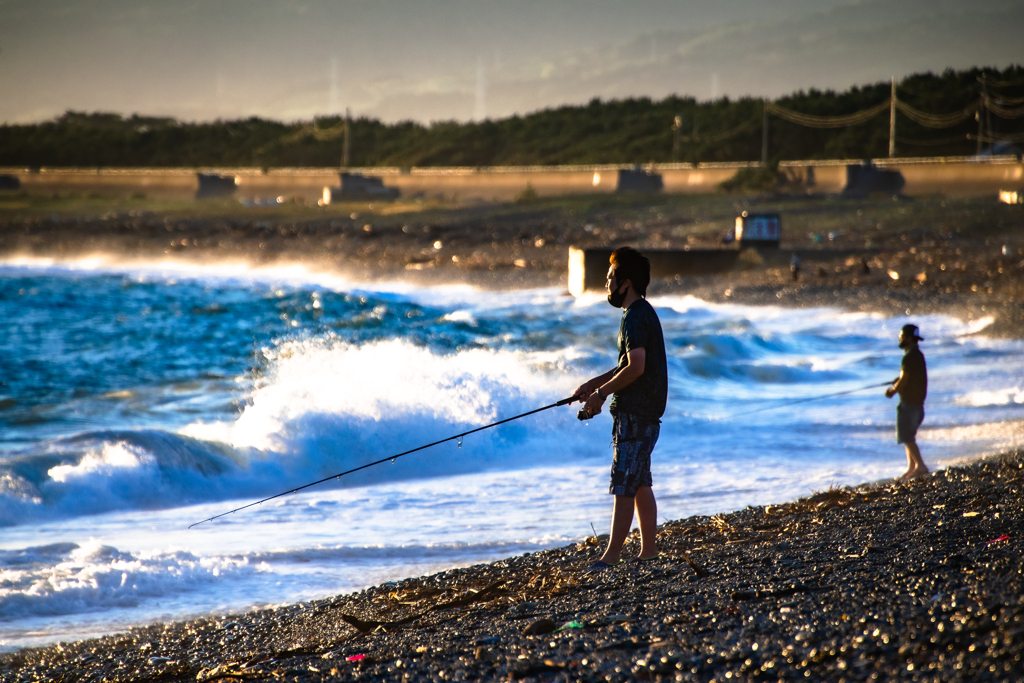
(963, 256)
(915, 581)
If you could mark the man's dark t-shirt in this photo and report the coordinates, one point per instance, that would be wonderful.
(646, 396)
(915, 376)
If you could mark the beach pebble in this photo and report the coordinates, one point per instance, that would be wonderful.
(487, 654)
(522, 608)
(539, 627)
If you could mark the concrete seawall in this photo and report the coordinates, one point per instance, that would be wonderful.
(952, 176)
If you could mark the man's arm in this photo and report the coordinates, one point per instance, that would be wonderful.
(897, 384)
(631, 372)
(584, 390)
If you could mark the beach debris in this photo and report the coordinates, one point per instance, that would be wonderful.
(697, 569)
(361, 660)
(569, 625)
(365, 626)
(1000, 539)
(224, 671)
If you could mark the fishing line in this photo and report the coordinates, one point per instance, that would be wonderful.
(392, 458)
(459, 437)
(806, 400)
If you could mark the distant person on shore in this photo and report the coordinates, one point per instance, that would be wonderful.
(794, 266)
(912, 386)
(639, 383)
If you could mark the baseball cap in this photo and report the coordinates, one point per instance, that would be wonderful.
(911, 332)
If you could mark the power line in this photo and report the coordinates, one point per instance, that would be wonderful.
(933, 143)
(814, 121)
(938, 120)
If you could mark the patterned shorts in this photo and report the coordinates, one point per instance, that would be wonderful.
(633, 439)
(909, 417)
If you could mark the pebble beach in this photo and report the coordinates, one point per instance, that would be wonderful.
(918, 581)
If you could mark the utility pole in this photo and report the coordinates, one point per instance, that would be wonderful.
(980, 113)
(764, 133)
(676, 129)
(348, 134)
(892, 120)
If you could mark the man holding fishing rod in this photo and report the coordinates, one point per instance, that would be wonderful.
(638, 385)
(912, 386)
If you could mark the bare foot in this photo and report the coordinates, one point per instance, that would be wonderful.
(919, 472)
(913, 473)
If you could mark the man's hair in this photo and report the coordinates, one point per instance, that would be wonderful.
(631, 265)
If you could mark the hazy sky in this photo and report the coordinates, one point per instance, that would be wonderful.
(464, 59)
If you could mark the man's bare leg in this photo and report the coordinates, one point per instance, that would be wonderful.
(622, 519)
(647, 513)
(915, 463)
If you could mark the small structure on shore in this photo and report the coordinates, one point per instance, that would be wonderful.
(758, 230)
(638, 180)
(1005, 196)
(863, 180)
(213, 185)
(356, 186)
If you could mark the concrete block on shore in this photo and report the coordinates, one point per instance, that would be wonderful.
(866, 179)
(588, 268)
(213, 185)
(356, 186)
(638, 180)
(1005, 196)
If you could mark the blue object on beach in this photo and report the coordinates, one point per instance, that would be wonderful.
(601, 565)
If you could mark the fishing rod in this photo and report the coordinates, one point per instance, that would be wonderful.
(563, 402)
(807, 400)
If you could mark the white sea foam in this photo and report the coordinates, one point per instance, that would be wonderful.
(365, 385)
(99, 577)
(997, 397)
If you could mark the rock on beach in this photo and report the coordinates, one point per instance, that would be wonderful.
(888, 581)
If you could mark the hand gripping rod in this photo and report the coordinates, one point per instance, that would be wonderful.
(563, 402)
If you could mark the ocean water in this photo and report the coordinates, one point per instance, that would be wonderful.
(137, 399)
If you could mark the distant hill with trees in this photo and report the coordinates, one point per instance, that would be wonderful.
(631, 131)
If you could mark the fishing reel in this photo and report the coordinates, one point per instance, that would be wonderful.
(583, 415)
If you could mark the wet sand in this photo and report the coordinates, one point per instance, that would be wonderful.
(916, 581)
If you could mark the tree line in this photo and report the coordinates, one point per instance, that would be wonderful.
(628, 131)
